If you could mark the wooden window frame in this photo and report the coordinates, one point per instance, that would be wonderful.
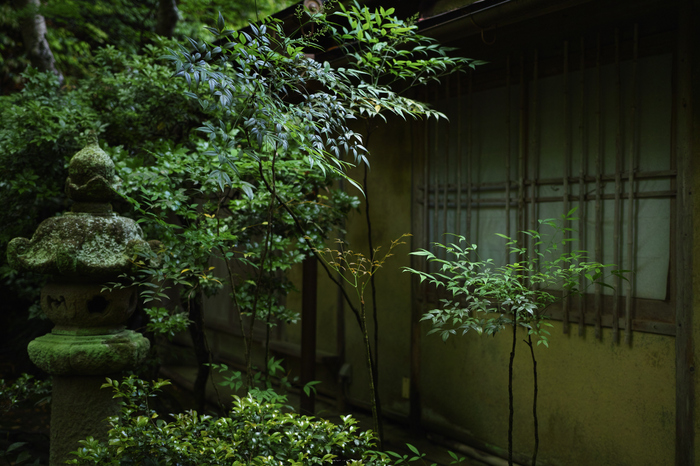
(620, 313)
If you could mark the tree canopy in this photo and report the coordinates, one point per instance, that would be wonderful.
(76, 29)
(229, 141)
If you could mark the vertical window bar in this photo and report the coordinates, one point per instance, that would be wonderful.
(446, 167)
(458, 197)
(581, 186)
(567, 162)
(507, 154)
(598, 198)
(522, 140)
(618, 188)
(426, 190)
(534, 156)
(470, 118)
(436, 177)
(630, 189)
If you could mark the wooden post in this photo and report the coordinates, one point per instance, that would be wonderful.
(598, 198)
(566, 304)
(686, 148)
(630, 189)
(583, 210)
(421, 174)
(308, 332)
(617, 254)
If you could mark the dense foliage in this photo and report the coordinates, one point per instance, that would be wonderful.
(257, 431)
(274, 101)
(77, 29)
(25, 390)
(43, 128)
(231, 167)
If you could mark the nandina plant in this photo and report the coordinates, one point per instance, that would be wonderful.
(487, 298)
(358, 271)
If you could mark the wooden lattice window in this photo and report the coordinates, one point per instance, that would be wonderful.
(587, 124)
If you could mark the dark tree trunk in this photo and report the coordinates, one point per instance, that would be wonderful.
(167, 18)
(511, 406)
(33, 28)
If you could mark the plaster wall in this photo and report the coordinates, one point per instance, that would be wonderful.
(599, 402)
(692, 9)
(389, 194)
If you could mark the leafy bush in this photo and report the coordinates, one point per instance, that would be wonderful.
(358, 271)
(257, 431)
(77, 29)
(23, 390)
(26, 387)
(486, 298)
(253, 185)
(44, 126)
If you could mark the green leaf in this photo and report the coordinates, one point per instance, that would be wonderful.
(15, 446)
(310, 386)
(23, 456)
(413, 449)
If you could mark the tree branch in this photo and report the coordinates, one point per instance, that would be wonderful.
(33, 28)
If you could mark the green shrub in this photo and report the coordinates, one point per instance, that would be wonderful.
(257, 431)
(26, 389)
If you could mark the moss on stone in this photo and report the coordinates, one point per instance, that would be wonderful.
(79, 245)
(88, 354)
(91, 176)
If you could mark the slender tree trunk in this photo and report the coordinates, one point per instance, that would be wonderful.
(167, 18)
(370, 373)
(259, 280)
(33, 28)
(375, 318)
(534, 400)
(268, 327)
(511, 407)
(373, 286)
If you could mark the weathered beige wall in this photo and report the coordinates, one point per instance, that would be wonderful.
(599, 402)
(390, 206)
(389, 194)
(693, 7)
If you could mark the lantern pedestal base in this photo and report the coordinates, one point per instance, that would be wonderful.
(79, 408)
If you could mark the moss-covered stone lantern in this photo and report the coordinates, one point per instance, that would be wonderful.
(83, 250)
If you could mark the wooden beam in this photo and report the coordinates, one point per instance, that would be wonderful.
(308, 332)
(420, 174)
(685, 357)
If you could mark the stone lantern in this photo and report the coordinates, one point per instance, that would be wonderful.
(83, 251)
